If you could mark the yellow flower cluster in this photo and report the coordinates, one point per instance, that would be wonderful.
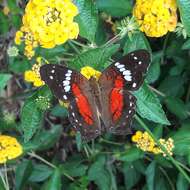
(33, 75)
(47, 23)
(146, 143)
(156, 17)
(89, 72)
(9, 148)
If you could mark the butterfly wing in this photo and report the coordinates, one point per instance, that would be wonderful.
(115, 81)
(69, 85)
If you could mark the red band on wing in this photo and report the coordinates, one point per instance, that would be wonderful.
(82, 104)
(116, 98)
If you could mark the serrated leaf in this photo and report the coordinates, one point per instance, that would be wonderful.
(154, 69)
(55, 181)
(40, 173)
(99, 174)
(4, 78)
(149, 107)
(87, 19)
(150, 174)
(4, 23)
(44, 139)
(31, 118)
(172, 86)
(32, 115)
(22, 174)
(181, 141)
(131, 175)
(177, 107)
(137, 41)
(96, 58)
(115, 8)
(184, 7)
(182, 183)
(131, 155)
(186, 45)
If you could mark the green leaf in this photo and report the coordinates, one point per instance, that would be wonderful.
(177, 107)
(19, 66)
(186, 45)
(4, 23)
(31, 115)
(31, 118)
(99, 174)
(4, 78)
(87, 19)
(150, 175)
(74, 169)
(79, 141)
(154, 69)
(2, 186)
(115, 8)
(40, 173)
(149, 107)
(181, 141)
(172, 86)
(44, 139)
(182, 183)
(131, 175)
(23, 171)
(138, 41)
(131, 155)
(95, 58)
(59, 111)
(184, 7)
(55, 181)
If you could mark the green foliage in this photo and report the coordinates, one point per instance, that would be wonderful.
(55, 157)
(115, 8)
(148, 105)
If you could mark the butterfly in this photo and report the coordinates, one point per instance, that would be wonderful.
(106, 104)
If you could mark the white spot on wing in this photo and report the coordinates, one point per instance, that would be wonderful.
(140, 62)
(68, 78)
(69, 71)
(128, 78)
(134, 85)
(117, 63)
(66, 82)
(65, 97)
(127, 72)
(122, 69)
(68, 74)
(120, 66)
(135, 58)
(51, 77)
(67, 88)
(53, 71)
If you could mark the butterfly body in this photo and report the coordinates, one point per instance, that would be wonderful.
(96, 106)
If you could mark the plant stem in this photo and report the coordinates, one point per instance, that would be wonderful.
(157, 91)
(32, 154)
(175, 163)
(79, 44)
(6, 176)
(112, 40)
(4, 183)
(73, 47)
(110, 142)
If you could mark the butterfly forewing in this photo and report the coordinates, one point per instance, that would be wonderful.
(70, 85)
(60, 80)
(115, 81)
